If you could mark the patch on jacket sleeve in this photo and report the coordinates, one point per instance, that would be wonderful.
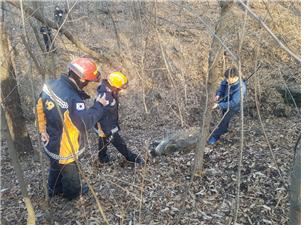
(80, 106)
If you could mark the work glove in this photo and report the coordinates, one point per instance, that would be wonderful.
(102, 99)
(45, 138)
(215, 106)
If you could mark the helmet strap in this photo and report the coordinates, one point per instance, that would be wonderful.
(80, 84)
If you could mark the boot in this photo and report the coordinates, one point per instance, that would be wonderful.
(136, 159)
(119, 143)
(103, 155)
(54, 193)
(105, 158)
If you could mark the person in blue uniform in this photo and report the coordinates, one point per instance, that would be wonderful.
(63, 120)
(108, 127)
(228, 99)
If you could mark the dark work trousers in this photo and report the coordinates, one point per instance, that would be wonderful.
(119, 143)
(223, 126)
(64, 179)
(46, 42)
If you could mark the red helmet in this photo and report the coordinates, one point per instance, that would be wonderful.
(85, 68)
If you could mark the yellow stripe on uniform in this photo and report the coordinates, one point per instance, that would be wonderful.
(41, 120)
(65, 147)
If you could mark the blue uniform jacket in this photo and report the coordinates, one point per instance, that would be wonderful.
(76, 116)
(109, 121)
(234, 96)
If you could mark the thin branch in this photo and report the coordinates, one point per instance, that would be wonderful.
(252, 14)
(142, 187)
(241, 40)
(115, 29)
(262, 125)
(289, 92)
(101, 57)
(52, 95)
(31, 218)
(62, 24)
(235, 58)
(35, 60)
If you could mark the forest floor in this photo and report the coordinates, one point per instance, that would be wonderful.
(154, 194)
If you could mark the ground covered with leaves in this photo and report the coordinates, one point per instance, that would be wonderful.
(161, 99)
(153, 194)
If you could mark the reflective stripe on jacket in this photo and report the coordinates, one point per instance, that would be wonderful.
(76, 117)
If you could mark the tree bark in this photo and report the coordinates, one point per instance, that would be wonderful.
(295, 187)
(10, 98)
(17, 167)
(215, 54)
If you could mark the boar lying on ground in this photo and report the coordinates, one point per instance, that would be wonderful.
(184, 140)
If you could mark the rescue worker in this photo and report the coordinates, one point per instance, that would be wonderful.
(47, 37)
(63, 132)
(108, 126)
(58, 16)
(228, 98)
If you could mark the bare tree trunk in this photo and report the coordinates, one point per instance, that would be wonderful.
(214, 72)
(17, 167)
(295, 187)
(10, 98)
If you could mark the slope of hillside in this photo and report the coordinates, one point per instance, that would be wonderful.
(161, 99)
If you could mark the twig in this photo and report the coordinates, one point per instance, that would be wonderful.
(262, 125)
(288, 90)
(208, 28)
(143, 183)
(36, 35)
(171, 78)
(241, 39)
(140, 77)
(31, 218)
(52, 95)
(60, 27)
(115, 29)
(101, 57)
(35, 60)
(270, 32)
